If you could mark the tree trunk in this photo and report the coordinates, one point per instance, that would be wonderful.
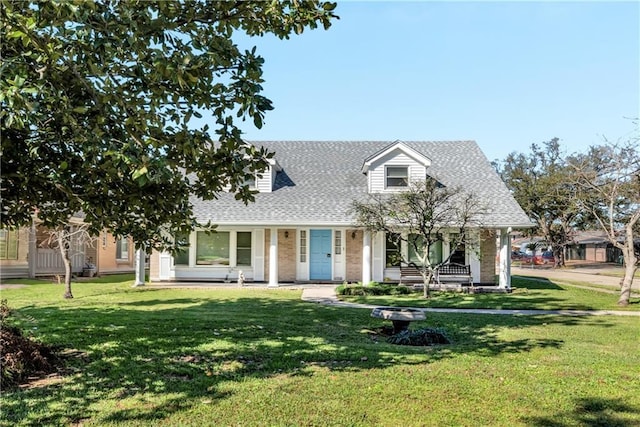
(558, 256)
(630, 261)
(63, 244)
(426, 279)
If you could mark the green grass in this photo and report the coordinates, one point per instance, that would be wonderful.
(256, 357)
(542, 294)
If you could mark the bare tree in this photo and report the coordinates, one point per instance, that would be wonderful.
(63, 238)
(609, 176)
(420, 217)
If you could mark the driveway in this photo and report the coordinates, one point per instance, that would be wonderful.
(590, 275)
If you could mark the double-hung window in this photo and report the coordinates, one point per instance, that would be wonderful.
(122, 249)
(182, 256)
(392, 250)
(397, 176)
(243, 248)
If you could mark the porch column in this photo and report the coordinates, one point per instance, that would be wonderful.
(504, 277)
(273, 258)
(366, 258)
(140, 257)
(32, 256)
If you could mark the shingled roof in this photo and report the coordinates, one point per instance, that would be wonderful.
(320, 179)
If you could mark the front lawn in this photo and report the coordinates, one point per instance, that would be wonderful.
(255, 357)
(541, 294)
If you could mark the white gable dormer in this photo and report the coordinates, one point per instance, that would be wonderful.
(394, 167)
(264, 184)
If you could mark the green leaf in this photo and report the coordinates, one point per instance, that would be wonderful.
(257, 120)
(139, 172)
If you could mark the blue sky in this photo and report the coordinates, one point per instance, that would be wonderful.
(505, 74)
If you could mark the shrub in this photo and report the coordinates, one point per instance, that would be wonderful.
(420, 337)
(372, 289)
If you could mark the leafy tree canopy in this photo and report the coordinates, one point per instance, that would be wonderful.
(541, 183)
(97, 98)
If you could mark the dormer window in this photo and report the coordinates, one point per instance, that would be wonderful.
(250, 181)
(391, 169)
(397, 176)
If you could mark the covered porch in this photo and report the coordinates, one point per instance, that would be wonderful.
(314, 254)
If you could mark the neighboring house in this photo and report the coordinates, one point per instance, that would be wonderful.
(112, 255)
(14, 253)
(591, 246)
(300, 228)
(594, 246)
(107, 254)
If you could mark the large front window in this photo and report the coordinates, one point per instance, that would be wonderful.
(416, 251)
(212, 248)
(397, 176)
(224, 248)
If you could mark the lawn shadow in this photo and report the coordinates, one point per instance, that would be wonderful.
(182, 350)
(534, 282)
(592, 412)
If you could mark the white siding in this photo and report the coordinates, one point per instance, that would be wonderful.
(417, 171)
(210, 273)
(265, 184)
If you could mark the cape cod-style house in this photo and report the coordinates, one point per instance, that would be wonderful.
(300, 228)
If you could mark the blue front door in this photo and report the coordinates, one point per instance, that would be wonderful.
(320, 255)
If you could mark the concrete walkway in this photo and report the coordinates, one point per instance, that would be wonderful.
(327, 295)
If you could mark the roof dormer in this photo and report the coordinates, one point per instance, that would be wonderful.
(394, 167)
(264, 184)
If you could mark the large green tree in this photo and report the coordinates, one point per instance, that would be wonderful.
(608, 177)
(97, 100)
(541, 183)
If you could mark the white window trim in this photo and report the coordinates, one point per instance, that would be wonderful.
(124, 255)
(233, 251)
(386, 177)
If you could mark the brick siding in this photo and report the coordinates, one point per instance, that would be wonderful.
(354, 255)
